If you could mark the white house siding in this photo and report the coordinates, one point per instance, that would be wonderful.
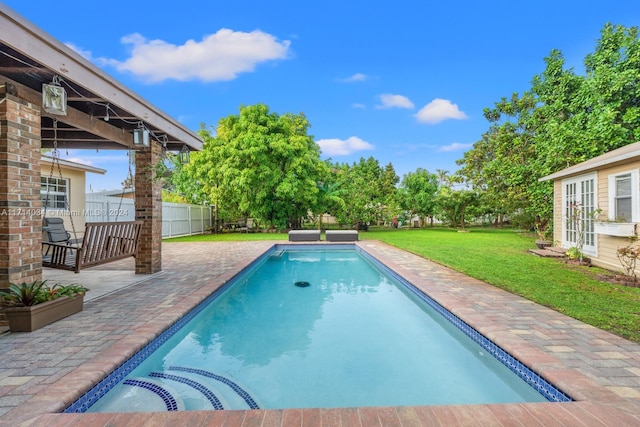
(608, 245)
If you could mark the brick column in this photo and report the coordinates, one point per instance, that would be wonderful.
(20, 204)
(148, 193)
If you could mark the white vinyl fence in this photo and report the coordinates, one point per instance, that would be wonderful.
(177, 219)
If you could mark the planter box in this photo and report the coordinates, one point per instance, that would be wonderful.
(28, 319)
(621, 229)
(542, 244)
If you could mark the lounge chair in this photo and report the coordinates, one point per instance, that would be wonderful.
(245, 226)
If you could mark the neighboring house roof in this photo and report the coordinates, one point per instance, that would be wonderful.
(111, 193)
(624, 154)
(73, 165)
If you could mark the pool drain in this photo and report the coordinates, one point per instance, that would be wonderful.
(302, 284)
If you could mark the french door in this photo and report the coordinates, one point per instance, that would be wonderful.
(579, 204)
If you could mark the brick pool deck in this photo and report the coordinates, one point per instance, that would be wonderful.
(44, 371)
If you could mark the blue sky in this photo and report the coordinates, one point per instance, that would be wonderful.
(404, 82)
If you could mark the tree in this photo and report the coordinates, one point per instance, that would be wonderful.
(369, 189)
(259, 164)
(453, 205)
(417, 193)
(329, 199)
(444, 177)
(562, 120)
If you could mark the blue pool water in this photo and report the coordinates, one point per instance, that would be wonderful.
(316, 327)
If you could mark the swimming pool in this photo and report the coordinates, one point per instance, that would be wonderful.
(355, 336)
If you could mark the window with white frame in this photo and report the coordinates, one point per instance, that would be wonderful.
(54, 192)
(624, 197)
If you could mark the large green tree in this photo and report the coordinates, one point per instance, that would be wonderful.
(501, 163)
(259, 164)
(564, 119)
(453, 205)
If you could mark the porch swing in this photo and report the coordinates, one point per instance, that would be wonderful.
(103, 242)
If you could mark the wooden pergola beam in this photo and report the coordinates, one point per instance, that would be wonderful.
(75, 118)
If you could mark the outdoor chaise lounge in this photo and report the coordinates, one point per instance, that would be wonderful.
(341, 235)
(304, 235)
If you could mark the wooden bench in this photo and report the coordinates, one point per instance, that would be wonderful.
(341, 235)
(103, 242)
(304, 235)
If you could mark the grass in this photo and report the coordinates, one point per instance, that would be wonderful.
(500, 257)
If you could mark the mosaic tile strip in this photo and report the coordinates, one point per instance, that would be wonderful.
(212, 398)
(169, 400)
(542, 386)
(235, 387)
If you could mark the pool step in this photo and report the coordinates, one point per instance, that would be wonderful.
(202, 374)
(210, 395)
(277, 254)
(179, 387)
(171, 399)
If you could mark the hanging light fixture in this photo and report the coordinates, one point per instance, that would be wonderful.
(184, 155)
(54, 97)
(141, 136)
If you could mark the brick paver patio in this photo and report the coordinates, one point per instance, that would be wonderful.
(46, 370)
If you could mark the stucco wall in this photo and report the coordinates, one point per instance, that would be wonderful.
(77, 184)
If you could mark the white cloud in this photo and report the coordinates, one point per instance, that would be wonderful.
(439, 110)
(357, 77)
(394, 101)
(339, 147)
(93, 158)
(358, 105)
(80, 160)
(217, 57)
(456, 146)
(86, 54)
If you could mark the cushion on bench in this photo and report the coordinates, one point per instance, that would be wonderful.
(304, 235)
(341, 235)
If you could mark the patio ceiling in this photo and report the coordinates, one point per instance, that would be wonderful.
(29, 57)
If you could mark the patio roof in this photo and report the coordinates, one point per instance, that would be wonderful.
(29, 57)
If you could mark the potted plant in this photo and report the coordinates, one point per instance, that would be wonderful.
(543, 232)
(575, 256)
(30, 306)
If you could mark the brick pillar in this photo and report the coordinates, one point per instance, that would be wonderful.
(20, 204)
(148, 193)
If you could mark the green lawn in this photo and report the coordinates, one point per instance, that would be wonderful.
(500, 257)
